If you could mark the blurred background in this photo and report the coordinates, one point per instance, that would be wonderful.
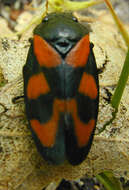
(12, 9)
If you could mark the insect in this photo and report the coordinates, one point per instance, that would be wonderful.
(61, 89)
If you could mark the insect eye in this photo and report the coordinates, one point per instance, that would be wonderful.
(74, 19)
(45, 19)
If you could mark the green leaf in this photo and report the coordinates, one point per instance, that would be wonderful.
(67, 5)
(109, 181)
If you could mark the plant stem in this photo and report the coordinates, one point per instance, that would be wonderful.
(115, 101)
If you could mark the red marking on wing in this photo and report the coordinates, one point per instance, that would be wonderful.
(46, 132)
(78, 56)
(45, 54)
(37, 85)
(83, 130)
(88, 86)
